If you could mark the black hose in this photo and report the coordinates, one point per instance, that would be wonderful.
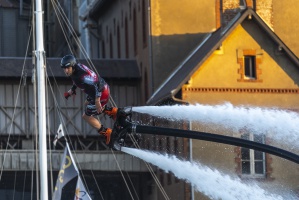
(214, 138)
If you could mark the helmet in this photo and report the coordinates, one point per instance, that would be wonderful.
(68, 61)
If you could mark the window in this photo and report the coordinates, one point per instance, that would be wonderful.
(103, 50)
(118, 43)
(144, 23)
(176, 146)
(111, 45)
(249, 67)
(249, 61)
(167, 145)
(126, 37)
(135, 30)
(252, 161)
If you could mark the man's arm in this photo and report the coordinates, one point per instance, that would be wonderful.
(98, 94)
(71, 92)
(74, 87)
(98, 105)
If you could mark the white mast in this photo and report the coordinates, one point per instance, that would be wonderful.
(39, 54)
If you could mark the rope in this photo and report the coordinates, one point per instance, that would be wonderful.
(151, 170)
(49, 141)
(78, 42)
(132, 185)
(122, 174)
(67, 135)
(56, 7)
(23, 77)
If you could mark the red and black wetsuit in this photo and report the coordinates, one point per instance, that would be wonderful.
(92, 85)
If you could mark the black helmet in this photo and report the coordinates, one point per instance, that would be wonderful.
(68, 61)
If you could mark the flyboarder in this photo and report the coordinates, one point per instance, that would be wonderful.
(97, 90)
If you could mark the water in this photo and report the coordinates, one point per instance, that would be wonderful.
(279, 125)
(210, 182)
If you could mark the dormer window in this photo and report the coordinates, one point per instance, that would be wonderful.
(249, 67)
(249, 61)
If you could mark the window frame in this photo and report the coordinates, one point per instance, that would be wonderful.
(249, 67)
(252, 160)
(255, 56)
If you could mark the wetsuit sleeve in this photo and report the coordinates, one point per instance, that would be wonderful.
(74, 87)
(99, 87)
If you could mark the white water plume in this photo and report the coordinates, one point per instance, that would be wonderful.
(280, 125)
(210, 182)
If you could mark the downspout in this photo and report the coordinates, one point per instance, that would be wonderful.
(87, 38)
(21, 7)
(190, 141)
(191, 158)
(150, 47)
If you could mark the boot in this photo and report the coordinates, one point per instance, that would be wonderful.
(106, 132)
(111, 111)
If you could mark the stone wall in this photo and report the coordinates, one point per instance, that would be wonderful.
(264, 9)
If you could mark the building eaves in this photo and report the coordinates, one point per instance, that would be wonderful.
(25, 4)
(195, 59)
(99, 8)
(87, 6)
(13, 67)
(8, 4)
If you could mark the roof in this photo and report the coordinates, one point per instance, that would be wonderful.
(124, 69)
(100, 7)
(8, 4)
(173, 84)
(14, 3)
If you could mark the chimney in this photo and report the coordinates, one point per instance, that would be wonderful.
(218, 12)
(249, 3)
(246, 4)
(227, 11)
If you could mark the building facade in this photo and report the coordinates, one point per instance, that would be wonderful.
(160, 36)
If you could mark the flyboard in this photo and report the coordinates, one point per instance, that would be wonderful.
(124, 128)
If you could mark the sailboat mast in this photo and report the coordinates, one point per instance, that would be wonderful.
(40, 64)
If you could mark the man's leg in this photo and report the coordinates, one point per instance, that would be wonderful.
(92, 121)
(95, 123)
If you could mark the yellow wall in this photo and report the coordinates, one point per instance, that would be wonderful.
(285, 21)
(220, 70)
(177, 17)
(176, 28)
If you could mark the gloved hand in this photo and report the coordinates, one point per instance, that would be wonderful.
(69, 93)
(99, 108)
(98, 105)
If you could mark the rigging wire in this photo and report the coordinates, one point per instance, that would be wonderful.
(72, 31)
(65, 19)
(67, 135)
(79, 44)
(24, 183)
(114, 105)
(151, 170)
(132, 185)
(14, 189)
(54, 4)
(49, 135)
(122, 174)
(23, 76)
(35, 131)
